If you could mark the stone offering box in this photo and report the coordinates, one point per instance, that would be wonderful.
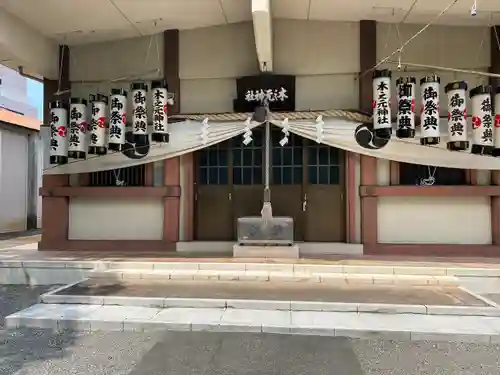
(252, 232)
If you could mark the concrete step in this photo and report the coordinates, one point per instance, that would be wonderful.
(272, 295)
(414, 327)
(21, 269)
(302, 267)
(270, 275)
(270, 305)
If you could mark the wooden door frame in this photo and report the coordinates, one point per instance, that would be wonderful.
(305, 164)
(342, 181)
(196, 166)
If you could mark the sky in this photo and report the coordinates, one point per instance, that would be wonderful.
(35, 96)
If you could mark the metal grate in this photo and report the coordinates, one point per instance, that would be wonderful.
(130, 176)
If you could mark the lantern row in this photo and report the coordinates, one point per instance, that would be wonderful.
(73, 136)
(485, 123)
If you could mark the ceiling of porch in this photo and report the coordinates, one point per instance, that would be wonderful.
(86, 21)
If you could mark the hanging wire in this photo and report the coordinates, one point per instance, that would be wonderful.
(387, 58)
(434, 67)
(400, 40)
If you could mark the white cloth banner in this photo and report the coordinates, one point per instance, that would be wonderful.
(340, 133)
(185, 137)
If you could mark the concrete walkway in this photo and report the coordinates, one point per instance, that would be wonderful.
(362, 325)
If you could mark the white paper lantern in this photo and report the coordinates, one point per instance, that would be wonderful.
(496, 133)
(58, 133)
(382, 123)
(159, 93)
(98, 137)
(139, 112)
(457, 116)
(405, 87)
(117, 119)
(429, 112)
(482, 120)
(78, 126)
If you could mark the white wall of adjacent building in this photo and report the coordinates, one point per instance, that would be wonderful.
(14, 189)
(325, 58)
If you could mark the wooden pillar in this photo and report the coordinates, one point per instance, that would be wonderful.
(368, 58)
(172, 165)
(495, 175)
(55, 210)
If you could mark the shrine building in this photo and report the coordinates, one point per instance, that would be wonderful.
(155, 114)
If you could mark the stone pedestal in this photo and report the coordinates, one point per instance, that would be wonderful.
(262, 251)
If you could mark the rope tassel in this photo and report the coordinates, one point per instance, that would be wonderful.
(204, 131)
(319, 129)
(247, 136)
(286, 132)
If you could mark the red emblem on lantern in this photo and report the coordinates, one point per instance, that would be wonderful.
(124, 118)
(101, 122)
(449, 116)
(83, 127)
(62, 131)
(164, 108)
(374, 104)
(413, 105)
(476, 122)
(497, 121)
(465, 113)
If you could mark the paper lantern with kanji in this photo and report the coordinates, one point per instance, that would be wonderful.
(457, 116)
(496, 133)
(78, 126)
(139, 112)
(482, 120)
(98, 137)
(159, 94)
(405, 121)
(117, 119)
(58, 122)
(429, 112)
(382, 123)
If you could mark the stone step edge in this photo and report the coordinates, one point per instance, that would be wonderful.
(306, 268)
(169, 302)
(136, 325)
(233, 266)
(386, 279)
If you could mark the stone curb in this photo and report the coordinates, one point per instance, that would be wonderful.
(330, 278)
(299, 268)
(89, 325)
(376, 308)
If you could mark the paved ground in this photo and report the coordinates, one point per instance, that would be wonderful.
(40, 352)
(495, 297)
(281, 291)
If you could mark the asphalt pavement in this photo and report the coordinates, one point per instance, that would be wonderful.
(40, 352)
